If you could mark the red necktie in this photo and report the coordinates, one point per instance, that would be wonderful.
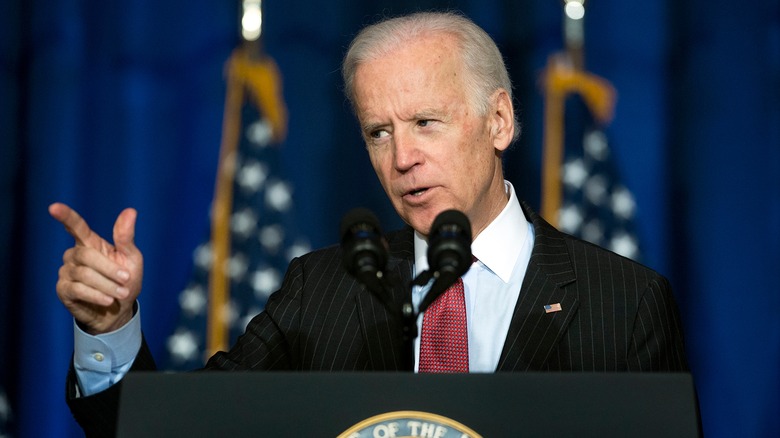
(444, 344)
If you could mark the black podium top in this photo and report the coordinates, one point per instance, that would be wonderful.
(404, 404)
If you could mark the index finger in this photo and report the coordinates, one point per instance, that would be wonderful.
(74, 224)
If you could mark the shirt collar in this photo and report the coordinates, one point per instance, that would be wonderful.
(498, 246)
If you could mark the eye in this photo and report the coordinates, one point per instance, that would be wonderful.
(379, 133)
(424, 122)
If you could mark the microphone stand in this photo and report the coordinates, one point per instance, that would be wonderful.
(408, 331)
(382, 288)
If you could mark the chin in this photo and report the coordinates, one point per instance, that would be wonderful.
(421, 223)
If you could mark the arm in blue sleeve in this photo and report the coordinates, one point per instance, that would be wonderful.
(103, 360)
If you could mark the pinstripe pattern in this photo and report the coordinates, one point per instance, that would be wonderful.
(324, 322)
(616, 316)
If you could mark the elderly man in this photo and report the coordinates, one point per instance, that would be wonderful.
(434, 103)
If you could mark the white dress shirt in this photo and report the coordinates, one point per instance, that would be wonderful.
(491, 285)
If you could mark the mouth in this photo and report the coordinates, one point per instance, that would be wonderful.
(417, 196)
(416, 192)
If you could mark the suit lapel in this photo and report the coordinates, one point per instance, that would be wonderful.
(534, 332)
(381, 329)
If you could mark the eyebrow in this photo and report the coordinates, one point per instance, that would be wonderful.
(428, 113)
(370, 127)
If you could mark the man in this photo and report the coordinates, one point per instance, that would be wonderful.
(434, 103)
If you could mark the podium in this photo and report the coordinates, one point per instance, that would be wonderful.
(356, 405)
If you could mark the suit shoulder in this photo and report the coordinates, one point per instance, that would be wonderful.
(587, 255)
(399, 242)
(327, 252)
(553, 247)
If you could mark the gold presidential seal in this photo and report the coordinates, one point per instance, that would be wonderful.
(409, 424)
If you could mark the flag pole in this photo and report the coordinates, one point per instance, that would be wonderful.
(565, 75)
(248, 71)
(219, 281)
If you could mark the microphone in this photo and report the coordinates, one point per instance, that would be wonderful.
(449, 253)
(365, 255)
(364, 249)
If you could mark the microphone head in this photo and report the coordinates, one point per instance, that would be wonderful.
(356, 220)
(449, 244)
(453, 218)
(364, 249)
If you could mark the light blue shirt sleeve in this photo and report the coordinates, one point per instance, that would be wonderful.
(103, 360)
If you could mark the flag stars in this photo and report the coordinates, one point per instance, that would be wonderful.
(264, 281)
(203, 256)
(596, 206)
(593, 231)
(575, 174)
(596, 146)
(595, 189)
(237, 266)
(298, 249)
(272, 237)
(278, 196)
(623, 203)
(260, 239)
(183, 346)
(625, 245)
(570, 218)
(259, 133)
(243, 222)
(230, 312)
(252, 176)
(193, 300)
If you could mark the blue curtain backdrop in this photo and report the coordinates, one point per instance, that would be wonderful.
(105, 105)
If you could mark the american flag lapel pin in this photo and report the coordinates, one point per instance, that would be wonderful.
(550, 308)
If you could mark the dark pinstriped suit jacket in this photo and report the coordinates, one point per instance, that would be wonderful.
(616, 316)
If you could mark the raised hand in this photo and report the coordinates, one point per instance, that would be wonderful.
(99, 282)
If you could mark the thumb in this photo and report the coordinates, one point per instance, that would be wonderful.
(124, 231)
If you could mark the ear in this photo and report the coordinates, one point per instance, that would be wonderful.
(502, 120)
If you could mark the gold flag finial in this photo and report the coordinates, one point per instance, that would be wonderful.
(564, 75)
(254, 76)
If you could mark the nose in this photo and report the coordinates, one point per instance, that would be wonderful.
(406, 152)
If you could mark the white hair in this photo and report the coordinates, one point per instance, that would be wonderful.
(484, 65)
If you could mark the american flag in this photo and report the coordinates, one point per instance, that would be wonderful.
(550, 308)
(263, 241)
(596, 206)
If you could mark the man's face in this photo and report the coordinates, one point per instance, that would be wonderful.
(429, 148)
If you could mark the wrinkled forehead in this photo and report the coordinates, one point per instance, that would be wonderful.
(411, 79)
(423, 56)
